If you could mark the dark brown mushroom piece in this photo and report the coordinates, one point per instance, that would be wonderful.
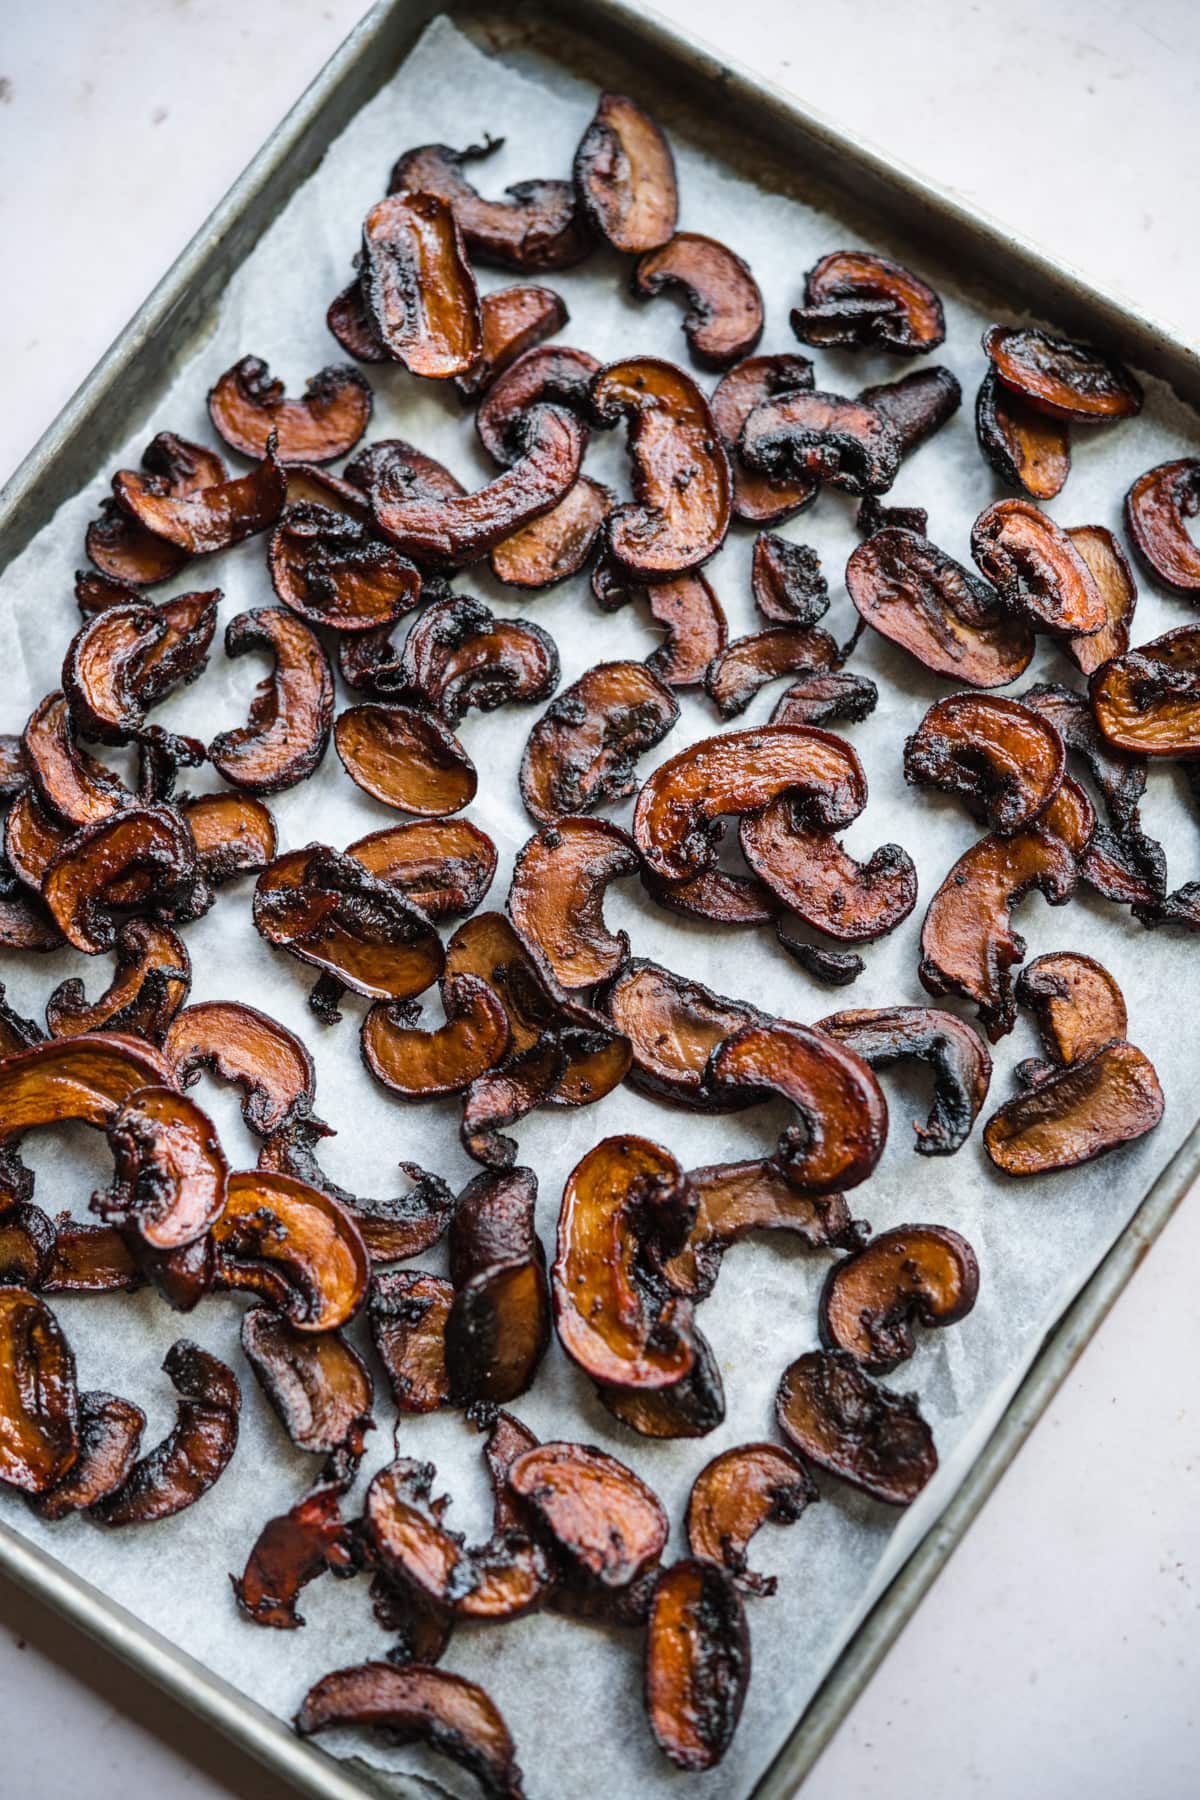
(554, 374)
(922, 1273)
(736, 1494)
(95, 592)
(625, 177)
(405, 758)
(291, 713)
(498, 1328)
(582, 751)
(237, 1043)
(291, 1550)
(717, 897)
(150, 841)
(734, 1199)
(921, 599)
(1037, 570)
(210, 517)
(394, 1228)
(1027, 448)
(697, 1666)
(825, 699)
(736, 673)
(866, 1435)
(90, 1259)
(127, 658)
(329, 570)
(72, 784)
(248, 405)
(814, 876)
(957, 1055)
(915, 406)
(183, 1277)
(537, 227)
(458, 655)
(1147, 702)
(691, 1408)
(235, 834)
(407, 1312)
(422, 1064)
(1157, 508)
(854, 300)
(126, 551)
(1110, 571)
(14, 766)
(316, 1382)
(1078, 1005)
(724, 317)
(873, 516)
(513, 320)
(760, 499)
(110, 1436)
(311, 485)
(557, 545)
(444, 866)
(351, 323)
(1075, 1114)
(293, 1246)
(39, 1406)
(822, 437)
(150, 983)
(418, 287)
(1004, 761)
(1120, 777)
(786, 580)
(556, 900)
(694, 621)
(194, 1454)
(682, 483)
(16, 1031)
(392, 469)
(609, 1525)
(32, 840)
(1065, 379)
(502, 1096)
(170, 1170)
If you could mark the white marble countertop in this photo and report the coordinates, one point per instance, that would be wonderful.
(1060, 1649)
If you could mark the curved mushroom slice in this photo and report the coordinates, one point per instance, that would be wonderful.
(1111, 572)
(581, 753)
(737, 1493)
(1062, 378)
(14, 766)
(311, 485)
(248, 406)
(32, 840)
(317, 1384)
(926, 1273)
(294, 1246)
(1148, 702)
(1077, 1113)
(854, 300)
(149, 841)
(183, 1277)
(234, 833)
(760, 499)
(688, 609)
(171, 1172)
(498, 1329)
(697, 1666)
(866, 1435)
(87, 1078)
(16, 1032)
(291, 1550)
(418, 287)
(735, 1199)
(194, 1454)
(915, 406)
(502, 1096)
(968, 944)
(392, 1229)
(1078, 1005)
(556, 900)
(681, 477)
(211, 517)
(392, 470)
(1005, 761)
(537, 227)
(724, 317)
(715, 896)
(1028, 449)
(91, 1259)
(25, 924)
(444, 866)
(826, 699)
(352, 325)
(419, 1705)
(625, 177)
(406, 758)
(962, 1067)
(613, 1320)
(1037, 570)
(736, 674)
(425, 1065)
(72, 784)
(690, 1409)
(554, 374)
(126, 658)
(292, 712)
(149, 986)
(458, 655)
(812, 875)
(126, 552)
(329, 570)
(39, 1407)
(674, 824)
(822, 437)
(487, 946)
(110, 1435)
(513, 320)
(1156, 508)
(1130, 867)
(918, 597)
(407, 1312)
(238, 1043)
(786, 580)
(1119, 776)
(608, 1524)
(557, 545)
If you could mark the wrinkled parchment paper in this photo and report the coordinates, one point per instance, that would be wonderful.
(572, 1693)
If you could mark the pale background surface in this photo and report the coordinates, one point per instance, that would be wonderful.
(1061, 1648)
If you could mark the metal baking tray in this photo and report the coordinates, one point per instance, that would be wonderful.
(764, 134)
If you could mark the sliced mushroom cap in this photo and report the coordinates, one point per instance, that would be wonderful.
(110, 1435)
(1071, 1117)
(694, 621)
(170, 1170)
(691, 1408)
(291, 1550)
(149, 841)
(513, 320)
(91, 1259)
(458, 655)
(16, 1032)
(1157, 507)
(444, 866)
(407, 1313)
(392, 469)
(149, 986)
(126, 552)
(1105, 558)
(826, 699)
(715, 896)
(962, 1067)
(88, 1079)
(1037, 570)
(234, 833)
(32, 840)
(673, 1025)
(697, 1666)
(555, 374)
(854, 300)
(737, 1493)
(915, 406)
(210, 517)
(71, 783)
(537, 227)
(556, 900)
(786, 580)
(248, 404)
(581, 752)
(1028, 449)
(737, 672)
(812, 875)
(761, 499)
(418, 286)
(406, 758)
(196, 1451)
(392, 1228)
(1078, 1005)
(128, 657)
(841, 1420)
(498, 1328)
(625, 176)
(291, 713)
(1003, 760)
(734, 1199)
(293, 1245)
(1148, 702)
(724, 318)
(1119, 776)
(39, 1406)
(330, 571)
(926, 1273)
(1065, 379)
(351, 324)
(501, 1096)
(424, 1065)
(487, 946)
(317, 1384)
(557, 545)
(240, 1044)
(606, 1521)
(823, 437)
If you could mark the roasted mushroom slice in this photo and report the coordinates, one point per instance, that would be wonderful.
(513, 320)
(761, 499)
(536, 227)
(293, 1245)
(16, 1032)
(237, 1043)
(458, 655)
(914, 594)
(1004, 761)
(697, 1666)
(502, 1096)
(248, 405)
(1062, 378)
(926, 1273)
(317, 1384)
(1147, 702)
(88, 1079)
(608, 1524)
(291, 1550)
(25, 923)
(90, 1259)
(786, 579)
(171, 1172)
(444, 866)
(419, 1705)
(352, 325)
(1028, 449)
(1077, 1113)
(555, 373)
(1111, 572)
(424, 1065)
(854, 300)
(1119, 776)
(126, 552)
(814, 876)
(715, 896)
(1156, 508)
(487, 946)
(1037, 570)
(915, 406)
(690, 1409)
(736, 674)
(208, 518)
(498, 1329)
(418, 286)
(1078, 1005)
(194, 1454)
(407, 1312)
(737, 1493)
(234, 833)
(625, 176)
(962, 1067)
(126, 658)
(392, 1229)
(150, 841)
(823, 437)
(734, 1199)
(866, 1435)
(406, 758)
(71, 783)
(556, 900)
(39, 1406)
(330, 570)
(291, 713)
(32, 840)
(724, 317)
(826, 699)
(149, 986)
(110, 1435)
(14, 766)
(581, 753)
(557, 545)
(694, 621)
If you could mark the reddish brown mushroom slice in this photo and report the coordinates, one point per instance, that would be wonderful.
(1110, 571)
(734, 1496)
(237, 1043)
(352, 325)
(1065, 379)
(14, 766)
(329, 570)
(25, 924)
(873, 516)
(581, 752)
(141, 841)
(125, 551)
(248, 406)
(1004, 761)
(294, 1246)
(556, 900)
(1037, 570)
(171, 1172)
(292, 712)
(761, 499)
(823, 437)
(39, 1407)
(825, 699)
(724, 317)
(922, 1273)
(392, 469)
(1147, 702)
(317, 1384)
(394, 1228)
(194, 1454)
(32, 840)
(72, 784)
(498, 1329)
(557, 545)
(917, 405)
(419, 1705)
(504, 1095)
(127, 657)
(910, 320)
(1028, 449)
(110, 1435)
(1120, 776)
(697, 1665)
(418, 286)
(407, 1311)
(690, 1409)
(1077, 1003)
(210, 518)
(426, 1065)
(716, 897)
(488, 947)
(957, 1055)
(444, 866)
(1076, 1114)
(735, 674)
(691, 615)
(554, 373)
(291, 1550)
(921, 599)
(149, 986)
(458, 655)
(406, 758)
(866, 1435)
(734, 1199)
(1157, 508)
(91, 1259)
(87, 1078)
(813, 876)
(968, 945)
(786, 580)
(608, 1524)
(234, 833)
(513, 320)
(536, 228)
(674, 1025)
(625, 176)
(682, 483)
(310, 485)
(16, 1031)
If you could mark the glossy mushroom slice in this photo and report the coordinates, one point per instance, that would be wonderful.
(394, 1228)
(1003, 760)
(502, 1096)
(1067, 380)
(405, 757)
(291, 713)
(27, 1245)
(557, 545)
(826, 699)
(786, 580)
(1110, 571)
(39, 1406)
(581, 753)
(237, 1043)
(513, 320)
(126, 658)
(110, 1436)
(1157, 507)
(407, 1312)
(556, 900)
(211, 517)
(694, 622)
(292, 1549)
(1027, 448)
(681, 477)
(32, 840)
(736, 673)
(760, 499)
(724, 317)
(444, 866)
(1147, 702)
(962, 1067)
(316, 1382)
(458, 655)
(737, 1493)
(294, 1246)
(625, 176)
(194, 1454)
(247, 405)
(1037, 570)
(822, 437)
(866, 1435)
(329, 570)
(814, 876)
(91, 1259)
(352, 325)
(697, 1666)
(691, 1408)
(170, 1180)
(555, 374)
(25, 924)
(498, 1328)
(537, 227)
(88, 1079)
(392, 469)
(921, 599)
(925, 1273)
(149, 841)
(16, 1031)
(608, 1524)
(150, 984)
(734, 1199)
(854, 300)
(1076, 1114)
(127, 551)
(234, 833)
(1078, 1005)
(915, 406)
(72, 784)
(418, 286)
(426, 1065)
(1120, 776)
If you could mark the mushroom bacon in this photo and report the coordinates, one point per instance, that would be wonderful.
(826, 699)
(737, 672)
(673, 1026)
(760, 499)
(856, 301)
(962, 1067)
(150, 841)
(194, 1454)
(425, 1065)
(513, 320)
(32, 839)
(458, 655)
(724, 318)
(234, 833)
(625, 177)
(691, 1408)
(1110, 571)
(553, 374)
(823, 437)
(407, 1313)
(734, 1199)
(556, 900)
(1028, 449)
(581, 752)
(317, 1384)
(915, 406)
(352, 325)
(681, 478)
(737, 1493)
(926, 1273)
(866, 1435)
(90, 1259)
(124, 550)
(1037, 570)
(1077, 1113)
(405, 757)
(524, 1081)
(329, 570)
(248, 405)
(170, 1183)
(498, 1328)
(786, 580)
(536, 228)
(88, 1078)
(556, 545)
(608, 1524)
(1156, 508)
(150, 984)
(814, 876)
(72, 784)
(399, 1226)
(236, 1042)
(291, 1550)
(697, 1666)
(110, 1435)
(1078, 1006)
(294, 1246)
(126, 658)
(213, 516)
(16, 1032)
(39, 1405)
(291, 713)
(418, 286)
(1064, 379)
(1147, 702)
(392, 469)
(1005, 761)
(444, 866)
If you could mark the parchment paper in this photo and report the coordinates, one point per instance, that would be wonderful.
(572, 1693)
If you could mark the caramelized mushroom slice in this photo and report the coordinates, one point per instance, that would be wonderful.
(812, 875)
(150, 984)
(234, 833)
(962, 1067)
(317, 1384)
(291, 713)
(1148, 702)
(352, 325)
(39, 1407)
(127, 658)
(554, 374)
(329, 570)
(16, 1032)
(513, 320)
(291, 1550)
(152, 841)
(914, 594)
(1003, 760)
(1156, 508)
(625, 176)
(901, 312)
(419, 1705)
(1076, 1114)
(1078, 1005)
(915, 406)
(1026, 448)
(170, 1170)
(126, 552)
(488, 947)
(444, 866)
(822, 437)
(71, 783)
(248, 407)
(88, 1079)
(1062, 378)
(193, 1455)
(737, 1493)
(607, 1522)
(786, 579)
(392, 1229)
(690, 1409)
(697, 1667)
(24, 922)
(557, 545)
(32, 840)
(14, 766)
(736, 674)
(1037, 570)
(406, 758)
(1111, 572)
(458, 655)
(613, 1320)
(826, 699)
(735, 1199)
(716, 897)
(294, 1246)
(498, 1329)
(91, 1259)
(687, 608)
(926, 1273)
(210, 518)
(424, 1065)
(724, 317)
(537, 227)
(581, 753)
(392, 469)
(841, 1420)
(502, 1096)
(238, 1043)
(407, 1312)
(761, 499)
(556, 900)
(418, 286)
(1120, 777)
(968, 944)
(681, 478)
(110, 1435)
